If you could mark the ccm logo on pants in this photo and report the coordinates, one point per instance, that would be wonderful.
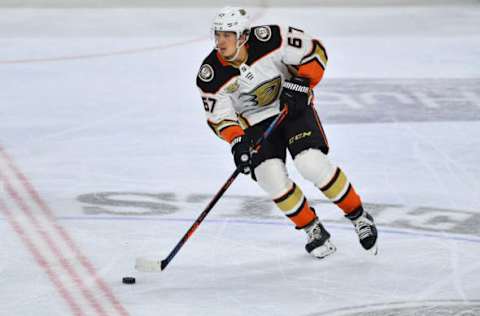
(298, 137)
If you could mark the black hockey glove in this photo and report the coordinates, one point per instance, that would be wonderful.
(295, 95)
(241, 154)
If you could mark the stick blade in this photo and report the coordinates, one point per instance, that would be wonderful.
(146, 265)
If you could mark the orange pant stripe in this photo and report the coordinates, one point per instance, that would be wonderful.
(350, 201)
(304, 216)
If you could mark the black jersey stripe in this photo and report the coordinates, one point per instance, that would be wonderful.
(221, 74)
(258, 48)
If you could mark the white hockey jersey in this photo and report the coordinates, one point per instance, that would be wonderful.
(236, 98)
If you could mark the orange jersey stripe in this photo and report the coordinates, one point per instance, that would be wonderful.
(312, 70)
(231, 132)
(222, 61)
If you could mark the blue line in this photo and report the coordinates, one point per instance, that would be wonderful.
(333, 225)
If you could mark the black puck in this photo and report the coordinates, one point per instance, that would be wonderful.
(128, 280)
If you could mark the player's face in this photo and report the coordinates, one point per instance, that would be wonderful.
(226, 43)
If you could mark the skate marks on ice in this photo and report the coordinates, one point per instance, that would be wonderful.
(413, 308)
(245, 258)
(171, 206)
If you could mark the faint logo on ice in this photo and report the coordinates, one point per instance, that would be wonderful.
(398, 100)
(129, 203)
(431, 219)
(415, 308)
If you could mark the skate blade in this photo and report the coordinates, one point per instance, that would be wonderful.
(374, 250)
(324, 251)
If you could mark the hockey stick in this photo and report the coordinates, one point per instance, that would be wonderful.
(146, 265)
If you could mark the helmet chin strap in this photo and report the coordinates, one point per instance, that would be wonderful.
(237, 52)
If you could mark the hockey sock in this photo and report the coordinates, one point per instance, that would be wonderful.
(341, 192)
(296, 207)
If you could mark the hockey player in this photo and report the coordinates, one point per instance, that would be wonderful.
(250, 75)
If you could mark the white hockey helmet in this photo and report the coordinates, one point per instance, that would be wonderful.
(232, 19)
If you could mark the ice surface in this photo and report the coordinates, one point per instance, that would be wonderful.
(99, 111)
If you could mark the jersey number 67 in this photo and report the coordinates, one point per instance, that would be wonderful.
(209, 104)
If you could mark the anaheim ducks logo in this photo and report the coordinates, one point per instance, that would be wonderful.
(264, 94)
(206, 73)
(263, 33)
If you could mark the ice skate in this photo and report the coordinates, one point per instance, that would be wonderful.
(366, 230)
(319, 244)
